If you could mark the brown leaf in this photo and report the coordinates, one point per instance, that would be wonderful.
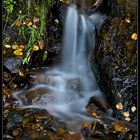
(41, 44)
(21, 46)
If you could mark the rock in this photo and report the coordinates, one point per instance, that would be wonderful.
(14, 120)
(116, 57)
(31, 124)
(34, 95)
(12, 64)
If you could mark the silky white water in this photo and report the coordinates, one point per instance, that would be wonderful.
(71, 82)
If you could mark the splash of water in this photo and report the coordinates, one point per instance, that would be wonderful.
(71, 84)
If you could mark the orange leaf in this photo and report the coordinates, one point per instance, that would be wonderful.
(86, 125)
(119, 106)
(119, 127)
(28, 23)
(18, 23)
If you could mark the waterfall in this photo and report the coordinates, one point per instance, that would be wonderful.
(70, 40)
(71, 83)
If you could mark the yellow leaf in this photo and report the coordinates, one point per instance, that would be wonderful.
(21, 73)
(56, 20)
(127, 20)
(119, 106)
(15, 47)
(94, 115)
(133, 108)
(126, 114)
(18, 52)
(71, 132)
(65, 1)
(7, 46)
(35, 48)
(134, 36)
(127, 119)
(36, 19)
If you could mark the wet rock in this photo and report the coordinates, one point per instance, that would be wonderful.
(105, 128)
(14, 121)
(12, 64)
(74, 84)
(116, 58)
(29, 124)
(12, 74)
(50, 127)
(34, 95)
(95, 110)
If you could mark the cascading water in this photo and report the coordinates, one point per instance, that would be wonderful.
(71, 82)
(70, 40)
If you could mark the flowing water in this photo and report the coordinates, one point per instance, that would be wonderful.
(71, 82)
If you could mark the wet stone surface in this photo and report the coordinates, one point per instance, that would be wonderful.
(36, 124)
(116, 59)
